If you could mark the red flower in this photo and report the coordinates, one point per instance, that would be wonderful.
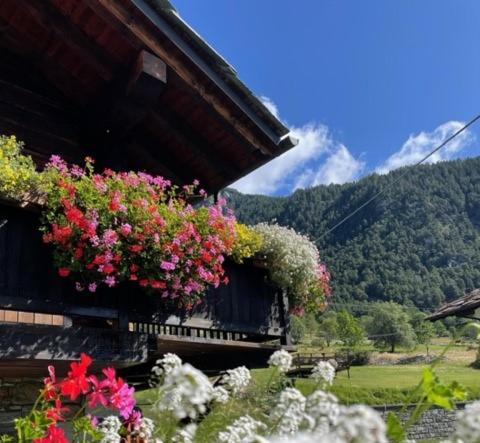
(64, 272)
(75, 216)
(56, 412)
(133, 268)
(77, 382)
(50, 389)
(54, 435)
(157, 284)
(78, 253)
(143, 282)
(136, 248)
(108, 268)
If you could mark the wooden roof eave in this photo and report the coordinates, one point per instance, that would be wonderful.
(462, 307)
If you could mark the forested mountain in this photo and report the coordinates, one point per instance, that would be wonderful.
(418, 243)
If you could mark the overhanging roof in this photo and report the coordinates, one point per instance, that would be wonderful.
(189, 116)
(461, 307)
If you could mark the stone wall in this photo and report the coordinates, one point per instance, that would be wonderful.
(435, 423)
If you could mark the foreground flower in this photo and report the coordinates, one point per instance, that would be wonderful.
(110, 426)
(324, 410)
(360, 424)
(242, 430)
(324, 372)
(237, 379)
(144, 429)
(220, 395)
(54, 435)
(186, 392)
(467, 428)
(289, 412)
(281, 360)
(185, 435)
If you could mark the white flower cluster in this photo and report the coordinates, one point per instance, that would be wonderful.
(109, 427)
(144, 429)
(236, 380)
(242, 430)
(324, 372)
(360, 424)
(337, 424)
(292, 258)
(220, 395)
(163, 366)
(289, 413)
(324, 410)
(468, 424)
(185, 391)
(185, 435)
(281, 360)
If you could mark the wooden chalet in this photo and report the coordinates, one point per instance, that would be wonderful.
(129, 83)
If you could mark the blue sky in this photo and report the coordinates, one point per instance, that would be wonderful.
(366, 85)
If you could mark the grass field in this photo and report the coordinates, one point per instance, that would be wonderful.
(373, 384)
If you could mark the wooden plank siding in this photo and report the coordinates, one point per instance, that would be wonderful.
(248, 308)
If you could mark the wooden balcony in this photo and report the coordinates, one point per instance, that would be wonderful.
(43, 318)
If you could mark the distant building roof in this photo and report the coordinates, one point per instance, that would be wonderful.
(461, 307)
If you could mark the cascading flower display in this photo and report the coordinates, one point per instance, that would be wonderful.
(118, 226)
(294, 264)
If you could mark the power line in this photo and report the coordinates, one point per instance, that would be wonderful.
(382, 191)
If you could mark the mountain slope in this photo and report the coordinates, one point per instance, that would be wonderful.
(419, 242)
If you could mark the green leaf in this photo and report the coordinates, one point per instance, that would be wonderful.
(395, 430)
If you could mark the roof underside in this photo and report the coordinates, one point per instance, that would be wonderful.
(196, 120)
(462, 307)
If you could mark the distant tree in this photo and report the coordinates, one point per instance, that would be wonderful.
(350, 331)
(329, 328)
(390, 327)
(424, 329)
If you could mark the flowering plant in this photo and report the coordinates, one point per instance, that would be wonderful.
(17, 171)
(118, 226)
(107, 391)
(294, 264)
(247, 244)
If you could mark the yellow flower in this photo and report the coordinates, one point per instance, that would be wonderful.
(247, 243)
(17, 171)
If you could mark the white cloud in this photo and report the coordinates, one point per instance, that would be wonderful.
(340, 167)
(419, 145)
(293, 169)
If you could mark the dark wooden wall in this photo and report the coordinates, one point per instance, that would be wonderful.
(36, 113)
(29, 282)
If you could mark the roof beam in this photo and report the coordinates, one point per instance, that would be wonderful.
(121, 17)
(185, 134)
(50, 18)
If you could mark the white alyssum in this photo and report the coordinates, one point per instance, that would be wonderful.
(324, 372)
(289, 413)
(236, 380)
(109, 427)
(324, 410)
(220, 395)
(185, 435)
(163, 366)
(242, 430)
(467, 428)
(292, 258)
(145, 428)
(185, 391)
(360, 424)
(281, 360)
